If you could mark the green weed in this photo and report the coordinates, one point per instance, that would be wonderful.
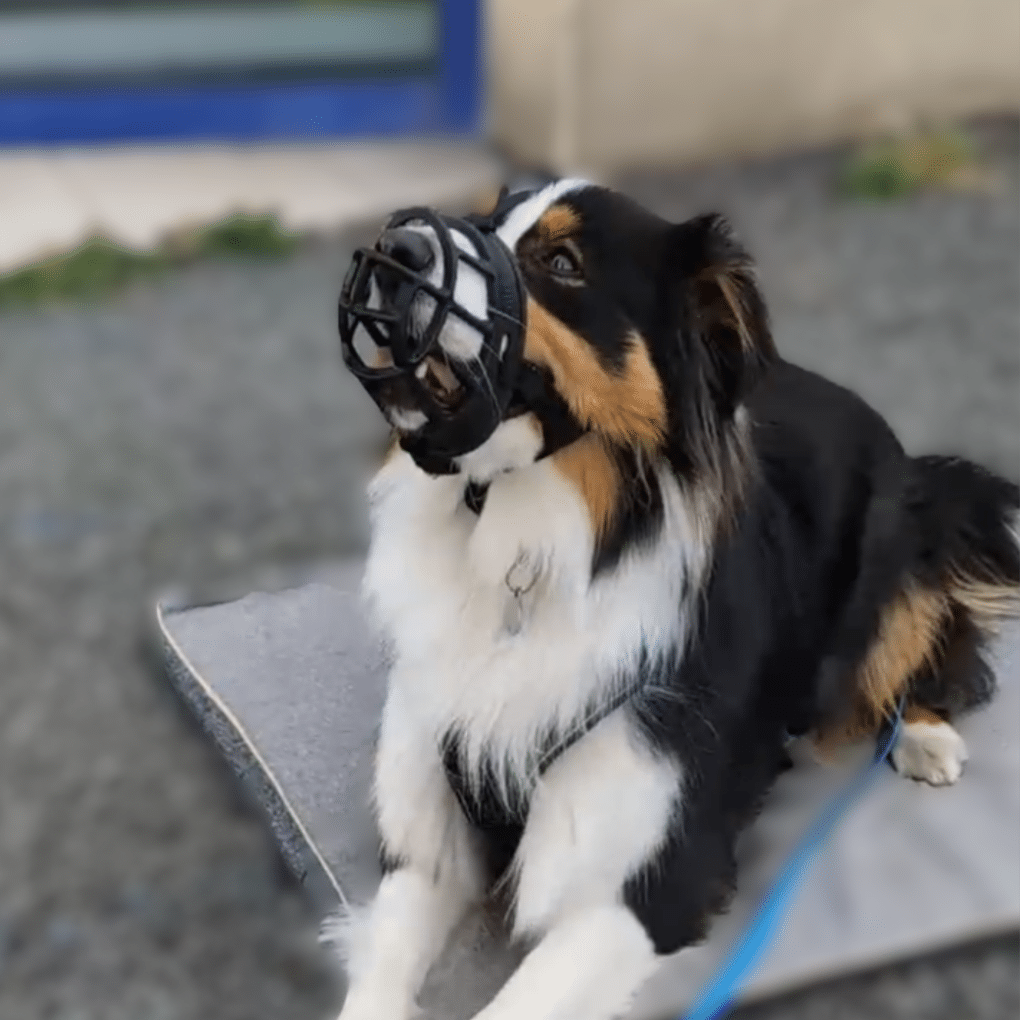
(896, 167)
(99, 268)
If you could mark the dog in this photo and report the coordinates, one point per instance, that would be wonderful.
(600, 651)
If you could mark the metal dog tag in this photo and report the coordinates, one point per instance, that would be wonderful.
(520, 579)
(513, 616)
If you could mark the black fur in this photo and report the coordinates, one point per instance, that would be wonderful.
(638, 519)
(826, 521)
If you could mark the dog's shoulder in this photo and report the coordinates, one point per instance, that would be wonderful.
(794, 397)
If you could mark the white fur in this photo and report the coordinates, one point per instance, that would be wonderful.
(471, 291)
(436, 578)
(416, 810)
(515, 444)
(521, 219)
(391, 946)
(459, 339)
(595, 817)
(589, 967)
(934, 752)
(405, 419)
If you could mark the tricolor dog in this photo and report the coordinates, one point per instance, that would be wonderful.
(622, 550)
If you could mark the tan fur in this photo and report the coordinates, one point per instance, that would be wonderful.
(589, 464)
(721, 294)
(727, 454)
(918, 714)
(557, 223)
(625, 406)
(736, 319)
(987, 602)
(908, 639)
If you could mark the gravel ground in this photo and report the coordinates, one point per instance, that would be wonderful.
(202, 429)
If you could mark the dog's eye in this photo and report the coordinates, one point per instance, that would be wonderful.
(564, 261)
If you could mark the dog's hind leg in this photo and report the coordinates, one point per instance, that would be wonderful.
(954, 679)
(960, 581)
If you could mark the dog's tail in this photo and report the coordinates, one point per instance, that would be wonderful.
(968, 522)
(967, 557)
(940, 574)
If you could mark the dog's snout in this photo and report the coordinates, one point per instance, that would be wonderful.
(408, 247)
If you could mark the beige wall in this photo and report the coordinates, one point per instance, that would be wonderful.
(595, 86)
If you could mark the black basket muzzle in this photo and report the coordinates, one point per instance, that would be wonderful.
(407, 326)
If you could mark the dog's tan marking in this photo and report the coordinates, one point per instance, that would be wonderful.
(723, 291)
(737, 317)
(590, 466)
(627, 406)
(909, 638)
(920, 714)
(557, 223)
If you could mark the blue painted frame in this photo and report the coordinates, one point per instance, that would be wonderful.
(448, 103)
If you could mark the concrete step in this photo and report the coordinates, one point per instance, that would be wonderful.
(54, 199)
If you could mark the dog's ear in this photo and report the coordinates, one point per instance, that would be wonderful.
(721, 308)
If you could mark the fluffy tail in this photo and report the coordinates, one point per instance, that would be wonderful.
(940, 572)
(968, 521)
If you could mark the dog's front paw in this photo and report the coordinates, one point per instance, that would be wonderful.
(933, 752)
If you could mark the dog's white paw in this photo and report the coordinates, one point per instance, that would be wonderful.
(934, 752)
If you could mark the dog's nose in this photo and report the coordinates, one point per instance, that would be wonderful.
(408, 247)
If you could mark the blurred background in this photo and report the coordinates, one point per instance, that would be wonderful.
(181, 185)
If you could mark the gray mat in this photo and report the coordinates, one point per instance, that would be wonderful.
(290, 686)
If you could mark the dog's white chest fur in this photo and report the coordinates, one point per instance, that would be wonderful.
(504, 669)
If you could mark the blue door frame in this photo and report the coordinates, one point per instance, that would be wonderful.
(448, 102)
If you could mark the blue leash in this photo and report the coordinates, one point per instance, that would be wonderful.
(720, 995)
